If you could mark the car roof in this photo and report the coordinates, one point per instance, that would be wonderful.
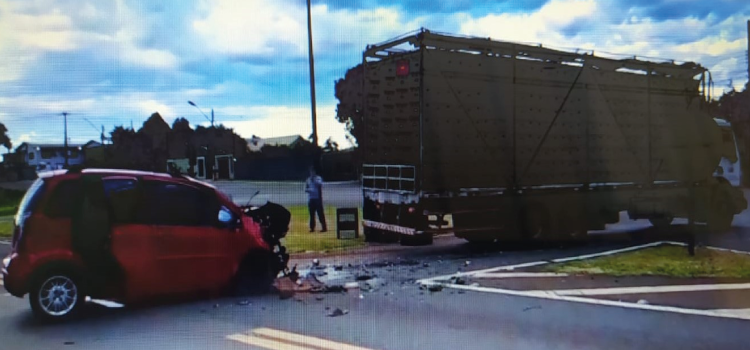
(125, 172)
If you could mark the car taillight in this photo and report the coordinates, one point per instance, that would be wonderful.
(402, 68)
(16, 236)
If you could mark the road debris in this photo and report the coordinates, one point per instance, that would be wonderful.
(243, 302)
(642, 302)
(315, 262)
(338, 312)
(69, 343)
(351, 285)
(536, 307)
(338, 267)
(362, 277)
(435, 288)
(467, 263)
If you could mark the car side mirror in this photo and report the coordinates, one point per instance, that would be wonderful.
(225, 216)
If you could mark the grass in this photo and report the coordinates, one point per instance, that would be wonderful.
(9, 199)
(670, 261)
(300, 240)
(6, 226)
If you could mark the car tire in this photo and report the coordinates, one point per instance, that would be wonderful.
(255, 274)
(57, 295)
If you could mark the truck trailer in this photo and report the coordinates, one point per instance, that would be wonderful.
(523, 142)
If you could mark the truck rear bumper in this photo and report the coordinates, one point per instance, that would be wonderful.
(392, 228)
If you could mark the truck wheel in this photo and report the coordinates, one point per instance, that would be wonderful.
(56, 296)
(535, 225)
(720, 215)
(255, 274)
(416, 240)
(662, 222)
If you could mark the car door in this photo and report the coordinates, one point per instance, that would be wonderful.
(133, 241)
(190, 250)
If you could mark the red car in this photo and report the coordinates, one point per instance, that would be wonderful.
(131, 236)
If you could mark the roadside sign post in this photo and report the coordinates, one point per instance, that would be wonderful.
(347, 223)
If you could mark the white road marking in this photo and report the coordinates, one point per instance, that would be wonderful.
(519, 275)
(537, 263)
(1, 282)
(275, 339)
(264, 343)
(645, 289)
(5, 242)
(105, 303)
(734, 312)
(711, 313)
(572, 297)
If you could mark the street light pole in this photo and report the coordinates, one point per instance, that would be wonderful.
(312, 75)
(204, 114)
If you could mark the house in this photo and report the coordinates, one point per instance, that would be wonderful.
(49, 156)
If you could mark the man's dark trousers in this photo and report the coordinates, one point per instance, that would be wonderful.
(316, 205)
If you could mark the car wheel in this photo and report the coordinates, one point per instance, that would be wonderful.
(255, 274)
(56, 296)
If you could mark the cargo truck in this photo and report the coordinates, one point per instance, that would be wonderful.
(522, 142)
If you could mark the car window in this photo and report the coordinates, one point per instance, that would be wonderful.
(62, 202)
(122, 195)
(30, 199)
(164, 203)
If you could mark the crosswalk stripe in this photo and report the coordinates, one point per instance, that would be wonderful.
(275, 339)
(305, 339)
(264, 343)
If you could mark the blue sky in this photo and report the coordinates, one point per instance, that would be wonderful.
(112, 62)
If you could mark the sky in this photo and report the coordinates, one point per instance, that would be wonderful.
(112, 63)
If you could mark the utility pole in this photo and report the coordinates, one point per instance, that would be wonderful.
(748, 53)
(65, 131)
(312, 74)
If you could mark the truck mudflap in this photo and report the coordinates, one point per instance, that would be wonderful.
(392, 228)
(274, 220)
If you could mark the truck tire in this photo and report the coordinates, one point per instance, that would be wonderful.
(719, 214)
(57, 295)
(416, 240)
(536, 224)
(662, 222)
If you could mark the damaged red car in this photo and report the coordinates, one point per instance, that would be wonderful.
(132, 236)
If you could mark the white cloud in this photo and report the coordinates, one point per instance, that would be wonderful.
(539, 26)
(280, 27)
(27, 137)
(251, 26)
(273, 121)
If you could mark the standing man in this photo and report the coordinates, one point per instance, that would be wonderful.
(314, 189)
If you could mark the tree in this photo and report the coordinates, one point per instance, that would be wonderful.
(330, 145)
(351, 100)
(4, 139)
(181, 124)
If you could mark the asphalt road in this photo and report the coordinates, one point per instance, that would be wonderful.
(397, 314)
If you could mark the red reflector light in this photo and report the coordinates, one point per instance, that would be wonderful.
(402, 68)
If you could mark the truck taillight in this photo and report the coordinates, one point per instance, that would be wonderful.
(402, 68)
